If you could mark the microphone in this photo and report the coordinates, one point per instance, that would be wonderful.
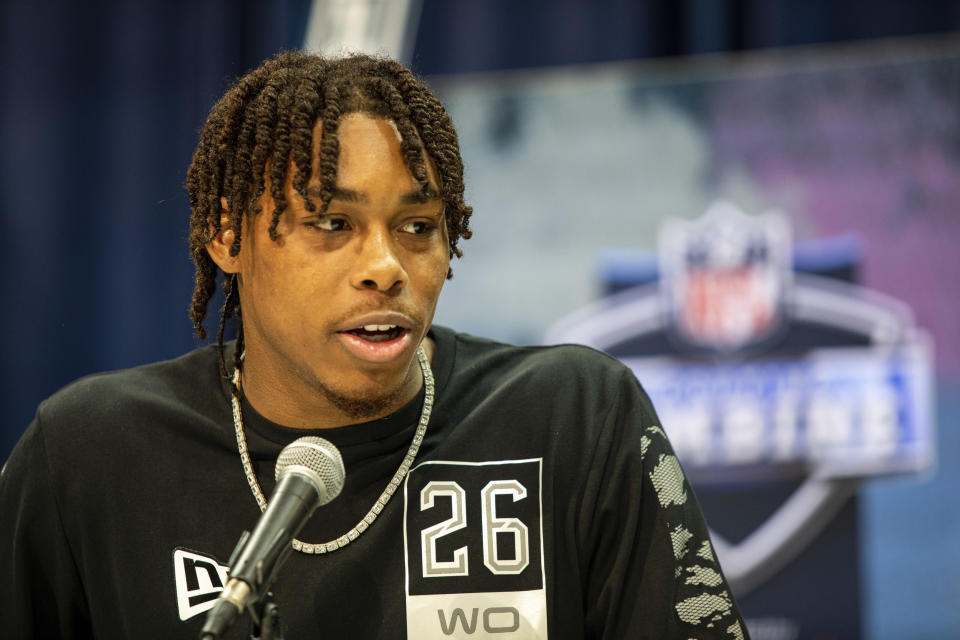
(309, 474)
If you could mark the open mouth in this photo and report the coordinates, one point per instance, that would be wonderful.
(377, 343)
(377, 332)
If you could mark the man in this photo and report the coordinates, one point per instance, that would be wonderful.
(542, 501)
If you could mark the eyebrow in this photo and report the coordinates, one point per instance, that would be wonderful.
(417, 196)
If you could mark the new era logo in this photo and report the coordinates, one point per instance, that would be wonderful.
(199, 579)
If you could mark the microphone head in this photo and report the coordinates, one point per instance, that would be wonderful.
(316, 460)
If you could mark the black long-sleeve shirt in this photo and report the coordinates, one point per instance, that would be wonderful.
(545, 501)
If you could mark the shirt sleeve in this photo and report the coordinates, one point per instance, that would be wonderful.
(651, 568)
(41, 595)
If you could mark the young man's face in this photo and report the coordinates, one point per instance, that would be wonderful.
(333, 312)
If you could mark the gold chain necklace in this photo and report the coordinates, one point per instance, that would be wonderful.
(392, 486)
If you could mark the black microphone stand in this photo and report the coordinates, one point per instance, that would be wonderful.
(265, 619)
(264, 612)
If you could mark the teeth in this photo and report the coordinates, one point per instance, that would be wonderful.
(379, 327)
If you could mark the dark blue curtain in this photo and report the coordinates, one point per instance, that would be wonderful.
(100, 107)
(466, 35)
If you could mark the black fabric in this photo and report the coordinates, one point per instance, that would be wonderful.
(119, 470)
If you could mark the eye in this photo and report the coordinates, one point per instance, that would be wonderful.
(328, 223)
(418, 227)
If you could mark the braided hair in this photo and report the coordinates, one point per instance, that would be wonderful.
(265, 122)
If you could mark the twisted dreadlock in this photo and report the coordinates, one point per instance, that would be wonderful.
(267, 119)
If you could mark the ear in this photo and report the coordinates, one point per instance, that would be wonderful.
(219, 247)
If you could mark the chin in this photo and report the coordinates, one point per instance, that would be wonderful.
(367, 406)
(368, 402)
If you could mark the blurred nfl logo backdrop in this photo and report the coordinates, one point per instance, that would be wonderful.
(766, 369)
(770, 244)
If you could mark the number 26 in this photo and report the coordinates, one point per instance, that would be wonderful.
(492, 525)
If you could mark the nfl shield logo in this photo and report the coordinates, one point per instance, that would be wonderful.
(725, 276)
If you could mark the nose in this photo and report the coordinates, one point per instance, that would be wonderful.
(378, 266)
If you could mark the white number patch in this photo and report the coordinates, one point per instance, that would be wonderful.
(473, 550)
